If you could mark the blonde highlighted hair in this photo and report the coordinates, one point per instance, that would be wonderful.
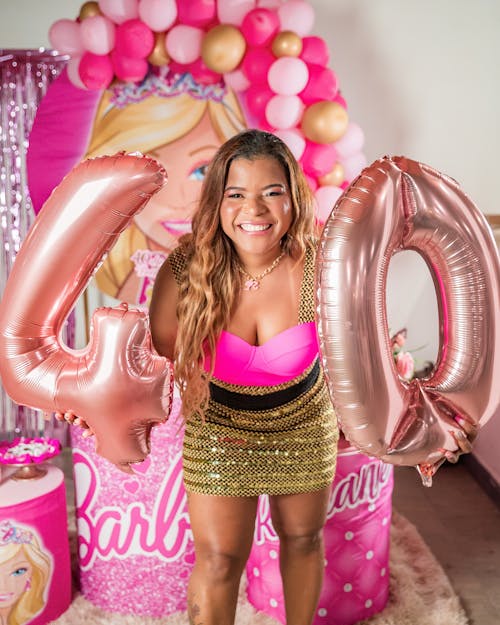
(210, 286)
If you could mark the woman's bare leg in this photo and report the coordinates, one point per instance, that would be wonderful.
(223, 529)
(298, 521)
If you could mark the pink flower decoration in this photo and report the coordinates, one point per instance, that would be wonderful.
(405, 365)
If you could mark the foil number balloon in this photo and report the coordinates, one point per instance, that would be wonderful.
(118, 384)
(396, 204)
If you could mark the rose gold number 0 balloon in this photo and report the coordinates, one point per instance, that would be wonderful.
(118, 384)
(396, 204)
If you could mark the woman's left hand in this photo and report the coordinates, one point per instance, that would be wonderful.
(463, 438)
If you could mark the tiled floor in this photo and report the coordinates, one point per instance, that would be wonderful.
(461, 525)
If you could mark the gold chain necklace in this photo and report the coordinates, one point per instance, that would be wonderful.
(252, 283)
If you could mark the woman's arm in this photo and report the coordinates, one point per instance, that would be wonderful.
(162, 311)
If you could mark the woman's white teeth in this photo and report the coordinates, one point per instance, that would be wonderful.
(254, 227)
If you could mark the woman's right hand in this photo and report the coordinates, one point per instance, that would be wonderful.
(70, 417)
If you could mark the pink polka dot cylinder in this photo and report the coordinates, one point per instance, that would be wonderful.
(356, 581)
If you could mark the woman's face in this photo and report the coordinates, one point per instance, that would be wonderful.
(168, 214)
(14, 576)
(256, 210)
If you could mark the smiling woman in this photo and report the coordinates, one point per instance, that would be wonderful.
(234, 307)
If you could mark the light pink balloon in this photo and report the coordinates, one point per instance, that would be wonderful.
(183, 43)
(294, 139)
(98, 34)
(398, 204)
(296, 15)
(351, 142)
(65, 37)
(353, 165)
(284, 111)
(236, 80)
(117, 384)
(288, 75)
(119, 11)
(233, 11)
(72, 69)
(159, 15)
(326, 198)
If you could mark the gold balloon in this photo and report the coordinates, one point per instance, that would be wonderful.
(223, 48)
(287, 43)
(324, 121)
(334, 177)
(159, 55)
(89, 9)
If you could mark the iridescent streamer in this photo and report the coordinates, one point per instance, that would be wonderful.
(24, 78)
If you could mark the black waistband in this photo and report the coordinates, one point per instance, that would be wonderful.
(244, 401)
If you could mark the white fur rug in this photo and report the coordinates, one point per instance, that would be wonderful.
(420, 593)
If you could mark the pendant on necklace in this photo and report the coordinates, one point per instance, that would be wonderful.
(251, 284)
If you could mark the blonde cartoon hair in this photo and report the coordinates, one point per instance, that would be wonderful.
(144, 126)
(33, 600)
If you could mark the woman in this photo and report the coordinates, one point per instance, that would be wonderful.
(233, 306)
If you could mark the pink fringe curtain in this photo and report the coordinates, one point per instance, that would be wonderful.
(24, 78)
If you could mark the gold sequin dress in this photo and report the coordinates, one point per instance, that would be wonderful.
(273, 438)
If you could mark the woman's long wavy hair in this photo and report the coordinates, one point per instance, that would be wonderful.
(211, 284)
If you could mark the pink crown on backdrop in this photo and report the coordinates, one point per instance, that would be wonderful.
(260, 49)
(10, 533)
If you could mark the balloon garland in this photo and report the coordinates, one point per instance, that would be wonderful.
(259, 48)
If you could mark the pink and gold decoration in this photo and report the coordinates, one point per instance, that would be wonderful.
(117, 384)
(400, 204)
(263, 51)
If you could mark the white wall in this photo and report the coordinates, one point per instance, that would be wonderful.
(421, 78)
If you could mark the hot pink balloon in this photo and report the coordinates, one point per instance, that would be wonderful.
(322, 84)
(259, 26)
(318, 158)
(256, 98)
(256, 63)
(65, 37)
(202, 74)
(129, 69)
(233, 11)
(134, 39)
(118, 384)
(397, 204)
(183, 43)
(96, 71)
(119, 11)
(284, 111)
(197, 12)
(315, 50)
(159, 15)
(288, 75)
(296, 15)
(98, 34)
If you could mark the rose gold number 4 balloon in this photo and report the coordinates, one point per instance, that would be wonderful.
(397, 204)
(118, 384)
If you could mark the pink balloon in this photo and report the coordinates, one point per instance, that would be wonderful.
(159, 15)
(296, 15)
(256, 63)
(236, 80)
(72, 69)
(288, 75)
(117, 384)
(183, 43)
(326, 198)
(233, 11)
(96, 71)
(315, 50)
(202, 74)
(256, 98)
(312, 182)
(353, 165)
(259, 26)
(134, 39)
(65, 37)
(119, 11)
(129, 69)
(284, 111)
(351, 142)
(294, 139)
(197, 12)
(98, 34)
(398, 204)
(318, 158)
(321, 85)
(341, 100)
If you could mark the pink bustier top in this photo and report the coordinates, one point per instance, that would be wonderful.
(280, 359)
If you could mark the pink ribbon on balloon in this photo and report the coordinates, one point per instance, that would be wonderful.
(117, 384)
(397, 204)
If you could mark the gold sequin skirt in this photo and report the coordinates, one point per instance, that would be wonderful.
(265, 439)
